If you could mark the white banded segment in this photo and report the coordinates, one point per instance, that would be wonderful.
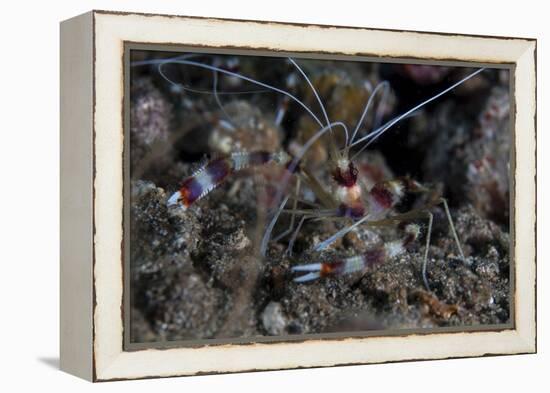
(216, 171)
(357, 263)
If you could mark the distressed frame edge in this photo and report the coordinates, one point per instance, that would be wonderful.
(130, 346)
(303, 24)
(524, 337)
(76, 196)
(525, 179)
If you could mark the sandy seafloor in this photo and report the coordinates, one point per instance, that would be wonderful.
(197, 274)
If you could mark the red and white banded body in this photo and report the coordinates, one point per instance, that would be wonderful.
(357, 263)
(216, 171)
(347, 190)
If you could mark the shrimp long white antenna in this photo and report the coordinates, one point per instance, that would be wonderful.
(218, 101)
(160, 68)
(267, 234)
(313, 90)
(325, 243)
(381, 106)
(367, 106)
(290, 170)
(334, 150)
(371, 137)
(162, 62)
(245, 78)
(311, 141)
(294, 236)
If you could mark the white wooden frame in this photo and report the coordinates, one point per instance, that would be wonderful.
(92, 195)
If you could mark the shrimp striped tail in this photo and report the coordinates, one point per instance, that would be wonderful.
(357, 263)
(216, 171)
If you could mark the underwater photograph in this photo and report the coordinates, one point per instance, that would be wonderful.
(303, 196)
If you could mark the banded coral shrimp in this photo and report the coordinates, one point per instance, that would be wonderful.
(338, 191)
(304, 181)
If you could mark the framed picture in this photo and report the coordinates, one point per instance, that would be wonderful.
(243, 195)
